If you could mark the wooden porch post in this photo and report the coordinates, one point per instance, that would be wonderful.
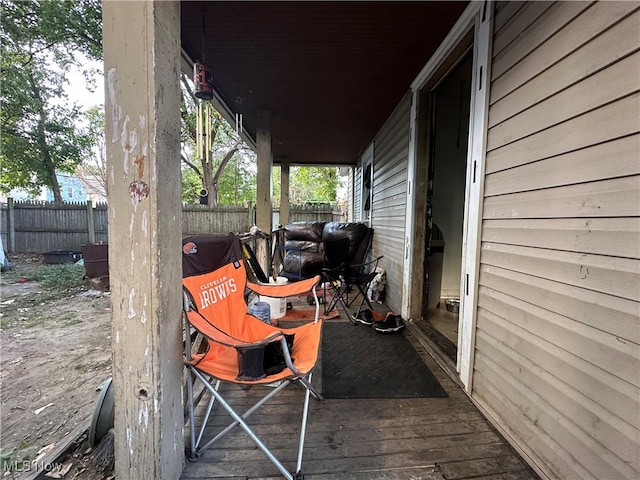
(142, 72)
(285, 206)
(264, 190)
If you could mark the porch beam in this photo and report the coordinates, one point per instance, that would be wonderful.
(142, 71)
(264, 184)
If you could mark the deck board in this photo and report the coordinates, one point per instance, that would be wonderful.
(363, 439)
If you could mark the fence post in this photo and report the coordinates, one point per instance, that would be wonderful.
(250, 212)
(11, 226)
(91, 227)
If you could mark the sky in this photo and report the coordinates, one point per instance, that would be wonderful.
(77, 88)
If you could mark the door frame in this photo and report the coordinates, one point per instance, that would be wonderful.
(477, 22)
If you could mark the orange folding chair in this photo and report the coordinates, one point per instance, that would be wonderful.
(238, 347)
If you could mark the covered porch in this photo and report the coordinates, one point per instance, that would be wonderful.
(362, 439)
(308, 84)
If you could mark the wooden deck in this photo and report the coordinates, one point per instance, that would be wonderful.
(386, 439)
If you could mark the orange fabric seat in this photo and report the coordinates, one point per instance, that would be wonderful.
(235, 342)
(221, 360)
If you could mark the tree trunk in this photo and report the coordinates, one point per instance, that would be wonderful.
(41, 139)
(207, 180)
(215, 182)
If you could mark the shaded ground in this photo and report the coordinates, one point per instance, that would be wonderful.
(55, 354)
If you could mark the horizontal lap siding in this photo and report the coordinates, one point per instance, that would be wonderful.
(390, 198)
(557, 362)
(357, 194)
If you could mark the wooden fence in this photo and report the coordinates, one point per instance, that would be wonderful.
(44, 227)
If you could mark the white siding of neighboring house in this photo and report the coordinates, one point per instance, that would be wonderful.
(390, 198)
(556, 362)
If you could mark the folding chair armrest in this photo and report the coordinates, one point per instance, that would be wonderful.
(285, 290)
(287, 355)
(336, 269)
(371, 262)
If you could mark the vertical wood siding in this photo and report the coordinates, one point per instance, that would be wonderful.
(389, 205)
(558, 335)
(43, 227)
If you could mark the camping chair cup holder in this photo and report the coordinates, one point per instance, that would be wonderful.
(238, 348)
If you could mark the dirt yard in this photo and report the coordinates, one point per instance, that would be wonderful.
(55, 355)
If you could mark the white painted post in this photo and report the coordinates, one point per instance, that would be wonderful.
(142, 71)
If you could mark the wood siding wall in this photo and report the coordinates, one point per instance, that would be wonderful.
(389, 204)
(556, 360)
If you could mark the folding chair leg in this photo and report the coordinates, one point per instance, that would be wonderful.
(303, 427)
(338, 293)
(206, 417)
(246, 414)
(192, 431)
(240, 421)
(364, 298)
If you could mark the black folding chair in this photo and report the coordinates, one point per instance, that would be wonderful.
(348, 277)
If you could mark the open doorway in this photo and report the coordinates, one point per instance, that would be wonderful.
(447, 117)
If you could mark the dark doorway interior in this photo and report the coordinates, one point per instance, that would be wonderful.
(448, 140)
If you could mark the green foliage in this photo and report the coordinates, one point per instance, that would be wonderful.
(40, 42)
(238, 180)
(309, 184)
(16, 459)
(191, 186)
(95, 166)
(61, 277)
(237, 184)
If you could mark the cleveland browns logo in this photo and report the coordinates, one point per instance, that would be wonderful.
(189, 248)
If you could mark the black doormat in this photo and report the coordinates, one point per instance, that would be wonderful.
(358, 362)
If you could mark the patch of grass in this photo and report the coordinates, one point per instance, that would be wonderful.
(32, 321)
(16, 459)
(69, 321)
(28, 271)
(6, 322)
(97, 366)
(61, 277)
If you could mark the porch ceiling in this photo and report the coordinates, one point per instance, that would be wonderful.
(329, 72)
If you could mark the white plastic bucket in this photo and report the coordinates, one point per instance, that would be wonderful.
(278, 305)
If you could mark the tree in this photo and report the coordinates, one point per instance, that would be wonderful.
(94, 168)
(208, 156)
(309, 184)
(40, 41)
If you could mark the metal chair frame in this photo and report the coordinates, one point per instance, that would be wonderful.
(199, 369)
(341, 275)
